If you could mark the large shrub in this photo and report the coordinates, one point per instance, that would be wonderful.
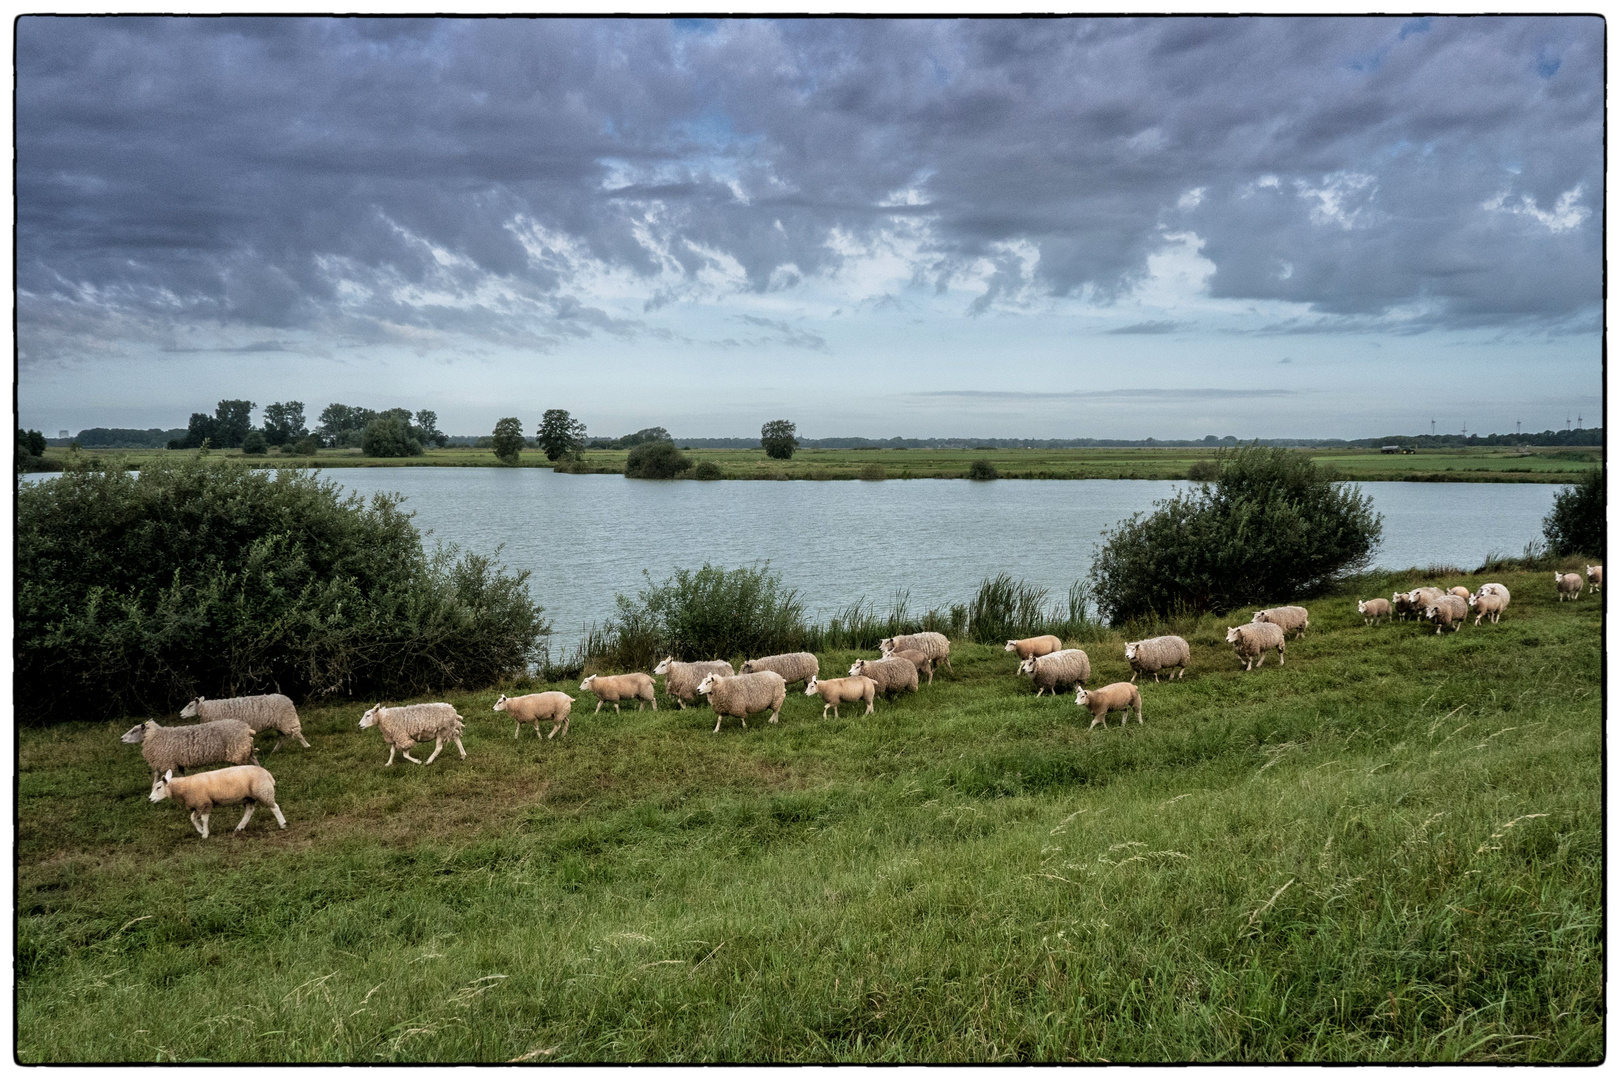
(204, 576)
(1274, 526)
(656, 461)
(1575, 525)
(707, 614)
(390, 436)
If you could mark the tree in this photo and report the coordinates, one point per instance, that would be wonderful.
(234, 419)
(31, 443)
(284, 422)
(427, 428)
(1575, 525)
(982, 469)
(647, 435)
(779, 438)
(202, 428)
(509, 439)
(342, 425)
(389, 436)
(656, 461)
(560, 435)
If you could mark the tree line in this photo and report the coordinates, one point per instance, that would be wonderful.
(653, 454)
(379, 433)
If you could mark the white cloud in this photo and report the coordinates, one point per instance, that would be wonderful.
(1564, 215)
(1335, 197)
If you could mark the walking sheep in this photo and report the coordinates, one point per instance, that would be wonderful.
(936, 646)
(636, 686)
(681, 680)
(1035, 646)
(1495, 587)
(1121, 696)
(891, 674)
(925, 666)
(191, 745)
(793, 667)
(261, 712)
(223, 787)
(403, 726)
(1062, 669)
(1569, 586)
(1293, 620)
(1373, 610)
(1447, 610)
(1155, 654)
(1492, 604)
(1404, 605)
(836, 692)
(1253, 639)
(739, 695)
(552, 705)
(1594, 577)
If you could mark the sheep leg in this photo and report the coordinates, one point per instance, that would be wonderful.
(654, 705)
(438, 744)
(773, 716)
(519, 727)
(407, 756)
(276, 747)
(554, 729)
(681, 705)
(566, 721)
(390, 760)
(1155, 677)
(869, 709)
(463, 749)
(615, 706)
(598, 705)
(246, 814)
(1281, 658)
(1134, 674)
(717, 720)
(281, 819)
(195, 824)
(1099, 719)
(204, 829)
(303, 740)
(1262, 662)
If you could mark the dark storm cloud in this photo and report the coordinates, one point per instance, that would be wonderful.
(375, 178)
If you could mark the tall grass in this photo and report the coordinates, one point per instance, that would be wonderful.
(1005, 608)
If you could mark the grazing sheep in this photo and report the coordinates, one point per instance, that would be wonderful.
(1373, 610)
(1460, 590)
(261, 712)
(1121, 696)
(1035, 646)
(836, 692)
(190, 745)
(552, 705)
(1487, 603)
(739, 695)
(891, 673)
(936, 646)
(222, 787)
(403, 726)
(1064, 668)
(1293, 620)
(925, 666)
(1155, 654)
(1253, 639)
(635, 686)
(1569, 585)
(681, 680)
(1594, 577)
(793, 667)
(1497, 588)
(1447, 610)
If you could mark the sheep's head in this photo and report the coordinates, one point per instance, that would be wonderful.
(160, 786)
(1590, 568)
(1429, 612)
(370, 718)
(747, 668)
(810, 687)
(136, 734)
(1012, 646)
(1232, 633)
(1130, 649)
(191, 708)
(707, 684)
(858, 667)
(1080, 696)
(586, 685)
(1027, 667)
(500, 706)
(886, 646)
(1473, 599)
(663, 666)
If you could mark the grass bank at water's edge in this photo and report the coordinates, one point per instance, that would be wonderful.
(1389, 849)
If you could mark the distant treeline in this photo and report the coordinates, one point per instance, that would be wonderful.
(98, 438)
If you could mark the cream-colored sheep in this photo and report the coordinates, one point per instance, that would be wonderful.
(1497, 588)
(1460, 590)
(261, 712)
(836, 692)
(739, 695)
(936, 646)
(1569, 586)
(1492, 604)
(1251, 640)
(1120, 696)
(552, 705)
(1292, 619)
(190, 745)
(925, 665)
(1155, 654)
(681, 680)
(891, 674)
(1062, 669)
(635, 686)
(1035, 646)
(222, 787)
(1594, 577)
(1373, 610)
(403, 726)
(1447, 610)
(793, 667)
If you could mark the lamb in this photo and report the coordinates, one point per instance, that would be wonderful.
(1569, 585)
(925, 666)
(1154, 654)
(1373, 610)
(891, 673)
(1492, 604)
(1291, 619)
(793, 667)
(222, 787)
(936, 646)
(552, 705)
(1594, 577)
(739, 695)
(1461, 591)
(187, 746)
(1121, 695)
(1035, 646)
(1404, 605)
(681, 680)
(1253, 639)
(1447, 610)
(636, 686)
(835, 692)
(261, 712)
(1064, 668)
(403, 726)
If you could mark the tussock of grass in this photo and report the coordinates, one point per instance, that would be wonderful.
(1390, 849)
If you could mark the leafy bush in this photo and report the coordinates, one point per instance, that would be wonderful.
(389, 437)
(1273, 526)
(656, 461)
(707, 470)
(1575, 525)
(873, 471)
(1203, 469)
(507, 441)
(704, 614)
(255, 444)
(982, 469)
(306, 446)
(779, 438)
(135, 593)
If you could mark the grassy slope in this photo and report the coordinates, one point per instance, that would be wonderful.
(1548, 465)
(1389, 849)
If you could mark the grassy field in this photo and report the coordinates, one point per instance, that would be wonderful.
(1388, 850)
(1497, 465)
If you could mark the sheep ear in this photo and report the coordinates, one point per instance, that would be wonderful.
(168, 774)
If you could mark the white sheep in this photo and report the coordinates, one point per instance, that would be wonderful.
(635, 686)
(1035, 646)
(222, 787)
(1594, 576)
(261, 712)
(1497, 588)
(1120, 696)
(836, 692)
(1064, 668)
(190, 745)
(551, 705)
(793, 667)
(934, 645)
(1292, 619)
(403, 726)
(1155, 654)
(1492, 604)
(891, 674)
(925, 665)
(681, 680)
(1447, 610)
(739, 695)
(1373, 610)
(1569, 586)
(1251, 640)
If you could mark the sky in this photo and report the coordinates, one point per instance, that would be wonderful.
(1109, 228)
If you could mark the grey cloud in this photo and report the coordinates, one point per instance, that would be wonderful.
(1152, 326)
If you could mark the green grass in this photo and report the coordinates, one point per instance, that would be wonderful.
(1388, 850)
(1496, 464)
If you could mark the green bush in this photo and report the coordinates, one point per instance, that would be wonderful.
(707, 470)
(1203, 469)
(656, 461)
(389, 436)
(255, 444)
(306, 446)
(873, 471)
(982, 469)
(704, 614)
(1575, 525)
(1274, 526)
(203, 575)
(779, 438)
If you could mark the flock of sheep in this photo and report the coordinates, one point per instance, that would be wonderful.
(229, 725)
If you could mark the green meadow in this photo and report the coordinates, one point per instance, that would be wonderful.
(1389, 849)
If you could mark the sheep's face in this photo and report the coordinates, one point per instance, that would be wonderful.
(1361, 606)
(500, 706)
(1430, 611)
(810, 687)
(1012, 646)
(1232, 634)
(706, 685)
(370, 718)
(886, 646)
(663, 666)
(586, 685)
(747, 668)
(160, 787)
(191, 708)
(1130, 649)
(1081, 697)
(134, 735)
(1473, 601)
(858, 667)
(1027, 667)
